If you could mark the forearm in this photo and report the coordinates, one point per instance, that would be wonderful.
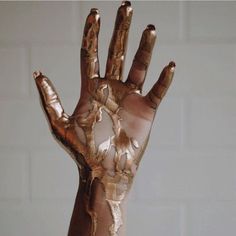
(93, 215)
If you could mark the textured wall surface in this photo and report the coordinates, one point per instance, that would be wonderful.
(186, 184)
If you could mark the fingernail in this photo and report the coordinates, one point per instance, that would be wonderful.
(151, 27)
(94, 10)
(36, 74)
(172, 66)
(126, 3)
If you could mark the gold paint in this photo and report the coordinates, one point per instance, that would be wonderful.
(117, 217)
(93, 216)
(89, 49)
(117, 49)
(116, 185)
(127, 109)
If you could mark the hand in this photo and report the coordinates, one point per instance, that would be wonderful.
(107, 133)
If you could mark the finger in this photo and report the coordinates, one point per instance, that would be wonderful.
(117, 49)
(89, 49)
(50, 102)
(160, 88)
(142, 58)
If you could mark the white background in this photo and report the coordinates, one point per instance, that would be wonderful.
(186, 184)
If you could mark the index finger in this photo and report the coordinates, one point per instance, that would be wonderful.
(89, 49)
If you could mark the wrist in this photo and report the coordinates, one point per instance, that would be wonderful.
(95, 213)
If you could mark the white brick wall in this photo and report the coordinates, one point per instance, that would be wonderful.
(186, 184)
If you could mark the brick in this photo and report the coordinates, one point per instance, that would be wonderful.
(153, 219)
(200, 71)
(35, 219)
(23, 124)
(14, 72)
(167, 126)
(54, 175)
(211, 123)
(61, 64)
(212, 20)
(37, 21)
(212, 219)
(164, 15)
(13, 175)
(186, 176)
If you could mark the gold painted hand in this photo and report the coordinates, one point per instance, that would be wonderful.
(107, 133)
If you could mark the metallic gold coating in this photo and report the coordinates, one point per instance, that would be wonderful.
(89, 49)
(142, 57)
(117, 217)
(108, 132)
(118, 44)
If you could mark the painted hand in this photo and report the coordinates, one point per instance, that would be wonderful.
(107, 133)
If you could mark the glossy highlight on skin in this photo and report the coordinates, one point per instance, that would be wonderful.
(108, 132)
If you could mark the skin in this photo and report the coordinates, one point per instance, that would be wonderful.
(109, 129)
